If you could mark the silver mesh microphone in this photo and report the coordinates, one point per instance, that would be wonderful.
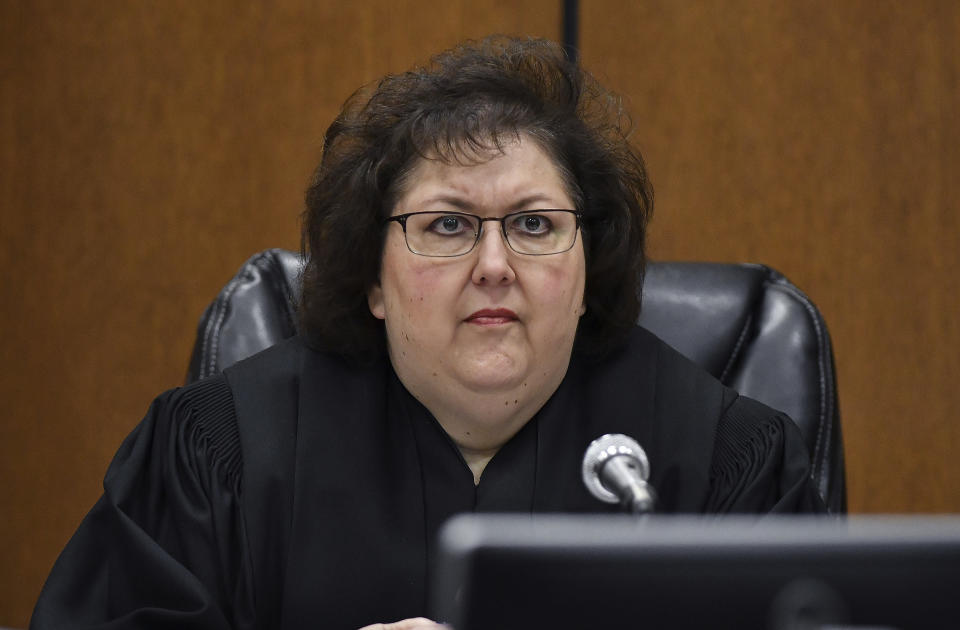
(615, 470)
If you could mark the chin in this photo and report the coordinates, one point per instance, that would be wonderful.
(493, 383)
(502, 374)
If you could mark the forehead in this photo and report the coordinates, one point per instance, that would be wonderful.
(520, 170)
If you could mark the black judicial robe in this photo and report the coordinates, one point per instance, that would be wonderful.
(295, 491)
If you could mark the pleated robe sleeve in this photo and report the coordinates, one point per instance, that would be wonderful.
(165, 546)
(760, 464)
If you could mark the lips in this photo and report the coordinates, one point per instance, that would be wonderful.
(492, 317)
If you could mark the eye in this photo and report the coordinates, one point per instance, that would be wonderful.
(532, 224)
(450, 224)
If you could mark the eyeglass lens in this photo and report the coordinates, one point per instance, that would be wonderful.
(536, 232)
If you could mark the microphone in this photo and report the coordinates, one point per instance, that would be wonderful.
(615, 470)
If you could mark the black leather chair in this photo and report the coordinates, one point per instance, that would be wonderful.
(745, 324)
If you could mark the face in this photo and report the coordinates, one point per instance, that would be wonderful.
(492, 321)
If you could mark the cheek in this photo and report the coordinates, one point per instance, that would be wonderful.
(412, 293)
(562, 289)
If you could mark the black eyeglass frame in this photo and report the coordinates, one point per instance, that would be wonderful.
(402, 220)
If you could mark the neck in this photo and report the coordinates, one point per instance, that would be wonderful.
(480, 421)
(477, 460)
(479, 424)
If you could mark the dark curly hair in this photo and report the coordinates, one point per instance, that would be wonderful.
(468, 102)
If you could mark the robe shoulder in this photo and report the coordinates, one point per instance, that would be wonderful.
(760, 463)
(165, 545)
(751, 458)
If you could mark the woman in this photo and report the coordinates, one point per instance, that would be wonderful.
(475, 234)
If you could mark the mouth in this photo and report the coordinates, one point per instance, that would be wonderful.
(492, 317)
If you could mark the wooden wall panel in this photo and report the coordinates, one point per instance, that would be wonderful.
(821, 138)
(147, 149)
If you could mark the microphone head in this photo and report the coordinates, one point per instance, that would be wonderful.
(600, 451)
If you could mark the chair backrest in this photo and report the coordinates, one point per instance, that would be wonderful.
(745, 324)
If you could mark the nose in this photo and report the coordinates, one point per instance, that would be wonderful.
(493, 266)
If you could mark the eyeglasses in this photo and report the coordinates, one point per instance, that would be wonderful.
(531, 232)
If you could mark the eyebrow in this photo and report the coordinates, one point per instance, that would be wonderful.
(464, 204)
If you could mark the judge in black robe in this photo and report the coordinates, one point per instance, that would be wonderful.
(296, 491)
(301, 489)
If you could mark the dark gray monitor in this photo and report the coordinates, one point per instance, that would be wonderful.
(504, 572)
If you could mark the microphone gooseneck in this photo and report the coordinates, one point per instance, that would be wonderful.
(615, 470)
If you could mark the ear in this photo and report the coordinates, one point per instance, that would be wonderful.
(375, 301)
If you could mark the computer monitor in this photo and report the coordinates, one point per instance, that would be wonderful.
(504, 572)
